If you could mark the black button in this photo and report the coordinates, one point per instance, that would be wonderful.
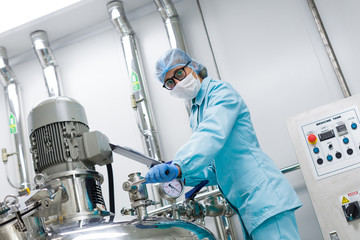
(330, 146)
(338, 155)
(319, 161)
(349, 151)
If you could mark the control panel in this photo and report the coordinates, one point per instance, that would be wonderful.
(333, 142)
(326, 141)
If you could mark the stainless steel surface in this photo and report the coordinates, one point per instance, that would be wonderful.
(46, 58)
(15, 117)
(172, 23)
(83, 188)
(134, 155)
(127, 186)
(134, 68)
(221, 223)
(17, 222)
(220, 227)
(290, 168)
(173, 30)
(141, 101)
(138, 195)
(329, 49)
(147, 229)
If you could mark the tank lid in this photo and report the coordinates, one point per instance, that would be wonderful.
(56, 109)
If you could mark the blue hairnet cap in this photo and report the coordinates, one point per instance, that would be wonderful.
(173, 58)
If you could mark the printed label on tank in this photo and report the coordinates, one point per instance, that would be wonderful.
(333, 142)
(135, 81)
(12, 123)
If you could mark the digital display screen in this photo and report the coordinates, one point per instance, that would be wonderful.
(341, 129)
(326, 135)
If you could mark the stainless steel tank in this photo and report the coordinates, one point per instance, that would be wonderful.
(63, 149)
(150, 229)
(17, 221)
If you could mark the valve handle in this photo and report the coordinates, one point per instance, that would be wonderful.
(192, 193)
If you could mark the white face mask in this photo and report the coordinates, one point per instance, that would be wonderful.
(188, 88)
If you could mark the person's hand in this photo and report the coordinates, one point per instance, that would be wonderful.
(162, 173)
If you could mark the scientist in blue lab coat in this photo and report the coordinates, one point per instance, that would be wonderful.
(224, 149)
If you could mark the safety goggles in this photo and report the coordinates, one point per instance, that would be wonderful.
(179, 75)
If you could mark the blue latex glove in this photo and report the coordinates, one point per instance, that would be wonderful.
(162, 173)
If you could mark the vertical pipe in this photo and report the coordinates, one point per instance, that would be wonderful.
(47, 61)
(140, 101)
(172, 24)
(208, 38)
(173, 30)
(134, 68)
(15, 116)
(329, 49)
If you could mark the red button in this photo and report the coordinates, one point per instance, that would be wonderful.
(312, 139)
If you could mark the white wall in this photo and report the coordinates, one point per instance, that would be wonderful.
(270, 51)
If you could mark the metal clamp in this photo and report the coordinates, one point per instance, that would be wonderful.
(12, 202)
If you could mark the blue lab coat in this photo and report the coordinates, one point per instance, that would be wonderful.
(224, 150)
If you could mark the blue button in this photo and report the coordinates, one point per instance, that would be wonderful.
(329, 158)
(346, 140)
(354, 126)
(316, 150)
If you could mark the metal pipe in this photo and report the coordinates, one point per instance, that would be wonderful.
(290, 168)
(47, 61)
(173, 30)
(15, 117)
(329, 49)
(141, 103)
(219, 223)
(208, 38)
(133, 63)
(172, 23)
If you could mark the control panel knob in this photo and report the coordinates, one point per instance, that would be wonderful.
(312, 139)
(320, 161)
(350, 151)
(352, 211)
(329, 157)
(345, 140)
(338, 155)
(354, 126)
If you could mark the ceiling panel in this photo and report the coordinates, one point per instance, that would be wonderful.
(65, 22)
